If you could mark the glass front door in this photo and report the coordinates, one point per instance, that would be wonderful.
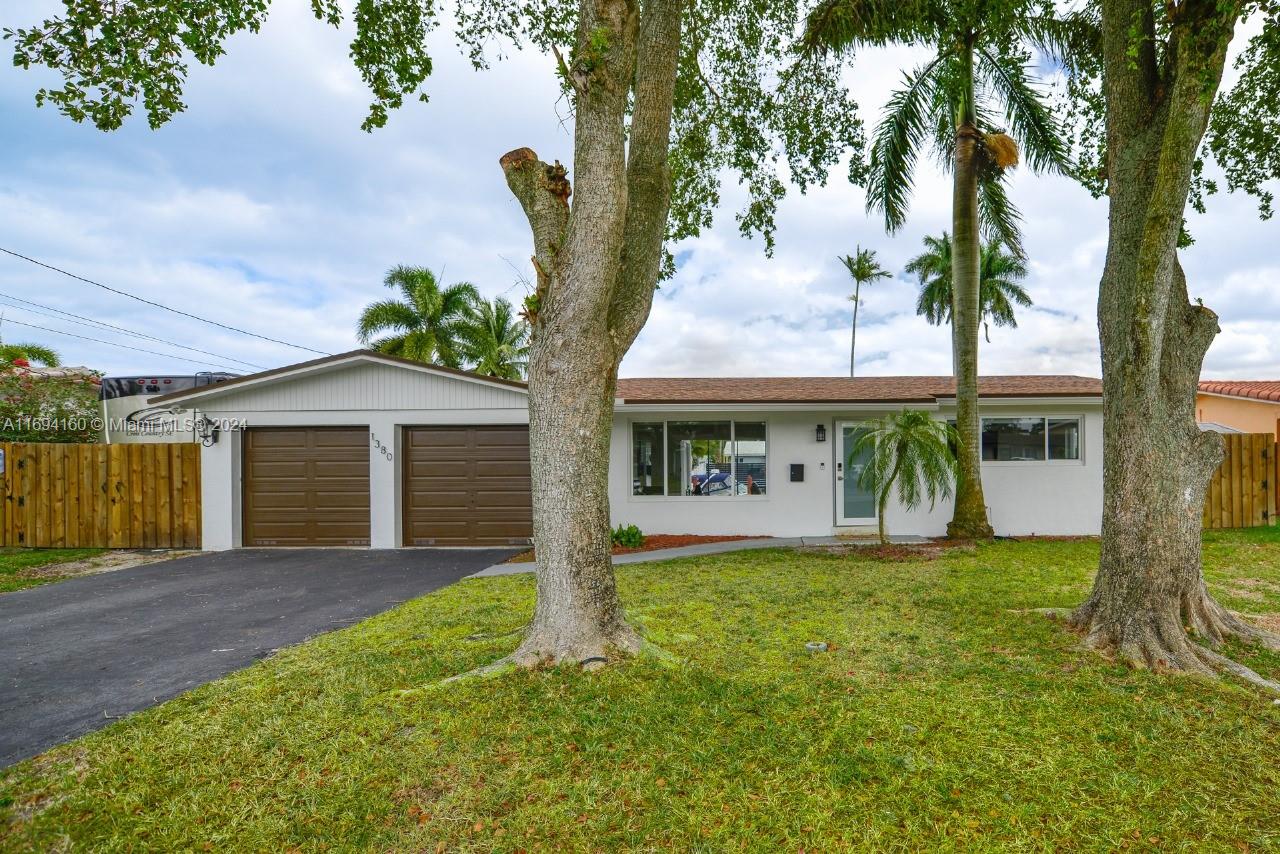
(854, 505)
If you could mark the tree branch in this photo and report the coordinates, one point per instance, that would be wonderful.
(543, 192)
(648, 169)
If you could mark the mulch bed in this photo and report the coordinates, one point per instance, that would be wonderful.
(894, 552)
(653, 542)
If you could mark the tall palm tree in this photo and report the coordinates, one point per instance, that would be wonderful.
(9, 353)
(979, 72)
(494, 341)
(998, 291)
(864, 269)
(912, 450)
(424, 324)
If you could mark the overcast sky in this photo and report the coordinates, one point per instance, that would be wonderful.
(265, 207)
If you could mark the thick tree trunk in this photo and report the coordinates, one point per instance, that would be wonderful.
(1149, 603)
(969, 520)
(597, 265)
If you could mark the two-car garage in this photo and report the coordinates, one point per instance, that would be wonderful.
(462, 486)
(364, 449)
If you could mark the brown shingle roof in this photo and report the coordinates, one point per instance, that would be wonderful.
(1268, 390)
(844, 389)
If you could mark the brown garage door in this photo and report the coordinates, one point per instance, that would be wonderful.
(466, 486)
(306, 486)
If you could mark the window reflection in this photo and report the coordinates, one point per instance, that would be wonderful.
(706, 459)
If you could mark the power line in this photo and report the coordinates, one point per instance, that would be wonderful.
(81, 320)
(159, 305)
(115, 344)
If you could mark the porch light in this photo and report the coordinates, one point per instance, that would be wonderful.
(821, 433)
(207, 431)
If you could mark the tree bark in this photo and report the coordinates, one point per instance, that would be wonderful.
(969, 519)
(853, 335)
(597, 262)
(1149, 603)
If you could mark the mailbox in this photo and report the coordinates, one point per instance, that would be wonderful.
(797, 472)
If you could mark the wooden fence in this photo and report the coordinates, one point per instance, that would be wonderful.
(1242, 493)
(108, 496)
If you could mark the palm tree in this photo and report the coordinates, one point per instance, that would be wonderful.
(998, 289)
(979, 71)
(425, 324)
(864, 269)
(494, 341)
(10, 353)
(911, 449)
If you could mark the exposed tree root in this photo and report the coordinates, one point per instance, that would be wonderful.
(1165, 639)
(531, 655)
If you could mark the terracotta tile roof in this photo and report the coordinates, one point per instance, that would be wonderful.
(843, 389)
(1268, 390)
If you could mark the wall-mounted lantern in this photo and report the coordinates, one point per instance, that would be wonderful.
(821, 433)
(207, 431)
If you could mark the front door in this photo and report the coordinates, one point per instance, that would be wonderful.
(854, 504)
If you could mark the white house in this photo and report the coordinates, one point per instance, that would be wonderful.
(367, 449)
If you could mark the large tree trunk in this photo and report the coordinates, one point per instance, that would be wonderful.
(1149, 603)
(969, 520)
(597, 265)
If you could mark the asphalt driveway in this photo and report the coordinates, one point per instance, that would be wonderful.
(78, 654)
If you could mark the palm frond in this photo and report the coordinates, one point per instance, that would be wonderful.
(863, 266)
(39, 353)
(409, 280)
(896, 146)
(933, 268)
(494, 340)
(385, 316)
(1072, 40)
(837, 26)
(1031, 122)
(1000, 219)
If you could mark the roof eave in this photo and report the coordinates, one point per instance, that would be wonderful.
(328, 363)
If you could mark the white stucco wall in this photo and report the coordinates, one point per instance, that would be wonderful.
(1047, 498)
(1059, 498)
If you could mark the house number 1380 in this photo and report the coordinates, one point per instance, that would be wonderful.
(381, 448)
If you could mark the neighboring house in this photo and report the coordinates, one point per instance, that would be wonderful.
(1246, 406)
(367, 449)
(128, 417)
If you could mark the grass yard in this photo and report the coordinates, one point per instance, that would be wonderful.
(940, 719)
(16, 565)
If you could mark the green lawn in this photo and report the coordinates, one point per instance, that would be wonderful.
(941, 719)
(14, 561)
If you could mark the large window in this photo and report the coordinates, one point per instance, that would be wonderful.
(706, 459)
(1021, 440)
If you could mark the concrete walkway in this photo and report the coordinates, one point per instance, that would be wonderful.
(699, 549)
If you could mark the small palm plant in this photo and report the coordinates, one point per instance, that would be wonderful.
(863, 269)
(999, 273)
(495, 341)
(425, 324)
(911, 449)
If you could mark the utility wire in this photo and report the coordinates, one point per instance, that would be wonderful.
(81, 320)
(115, 344)
(159, 305)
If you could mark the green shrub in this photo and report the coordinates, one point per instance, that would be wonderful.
(629, 537)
